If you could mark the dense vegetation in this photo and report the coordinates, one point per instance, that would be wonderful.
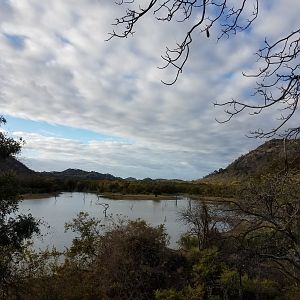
(258, 258)
(42, 184)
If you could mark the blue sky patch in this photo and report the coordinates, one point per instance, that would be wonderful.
(62, 39)
(16, 41)
(59, 131)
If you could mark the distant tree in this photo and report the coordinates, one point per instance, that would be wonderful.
(278, 78)
(201, 224)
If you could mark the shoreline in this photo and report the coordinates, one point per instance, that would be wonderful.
(38, 196)
(117, 196)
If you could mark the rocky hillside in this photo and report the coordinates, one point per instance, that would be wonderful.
(270, 157)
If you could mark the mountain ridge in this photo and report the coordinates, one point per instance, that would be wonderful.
(269, 157)
(12, 164)
(78, 173)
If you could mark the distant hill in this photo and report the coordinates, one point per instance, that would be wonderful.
(130, 179)
(11, 164)
(80, 174)
(267, 158)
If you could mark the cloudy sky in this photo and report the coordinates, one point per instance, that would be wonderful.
(82, 102)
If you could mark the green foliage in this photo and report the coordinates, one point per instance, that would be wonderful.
(291, 293)
(8, 194)
(89, 229)
(136, 252)
(207, 270)
(47, 184)
(161, 187)
(188, 242)
(170, 294)
(263, 287)
(188, 293)
(229, 279)
(15, 228)
(124, 260)
(8, 146)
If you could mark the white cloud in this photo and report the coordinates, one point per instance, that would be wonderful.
(118, 158)
(66, 73)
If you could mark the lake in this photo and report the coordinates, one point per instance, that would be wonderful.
(55, 212)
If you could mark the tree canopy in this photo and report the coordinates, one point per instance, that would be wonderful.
(8, 146)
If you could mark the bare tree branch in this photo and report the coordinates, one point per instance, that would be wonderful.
(200, 15)
(278, 82)
(278, 86)
(268, 225)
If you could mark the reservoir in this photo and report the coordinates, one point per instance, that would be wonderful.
(56, 211)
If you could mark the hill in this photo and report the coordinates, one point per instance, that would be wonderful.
(269, 157)
(11, 164)
(80, 174)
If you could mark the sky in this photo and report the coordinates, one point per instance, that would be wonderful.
(82, 102)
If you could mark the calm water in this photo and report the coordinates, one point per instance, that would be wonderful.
(57, 211)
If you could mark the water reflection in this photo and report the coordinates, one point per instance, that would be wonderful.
(56, 211)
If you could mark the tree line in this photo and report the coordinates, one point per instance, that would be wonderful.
(42, 184)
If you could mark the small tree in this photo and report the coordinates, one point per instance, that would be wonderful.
(201, 224)
(268, 230)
